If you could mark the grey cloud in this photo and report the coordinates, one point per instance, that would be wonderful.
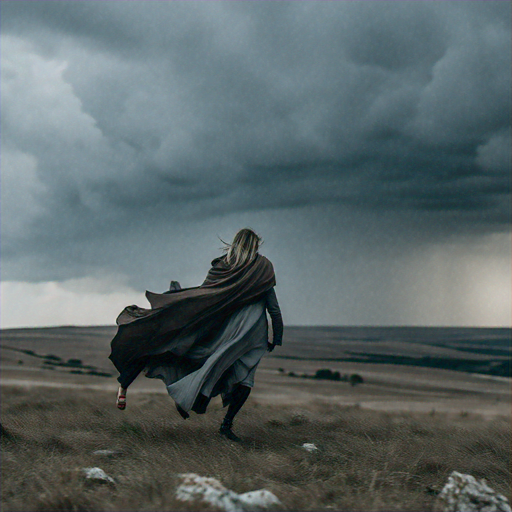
(184, 110)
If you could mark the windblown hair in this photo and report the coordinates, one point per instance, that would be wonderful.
(244, 247)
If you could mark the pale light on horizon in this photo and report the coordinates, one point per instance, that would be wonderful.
(486, 302)
(54, 304)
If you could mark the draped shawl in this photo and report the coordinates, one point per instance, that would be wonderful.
(175, 318)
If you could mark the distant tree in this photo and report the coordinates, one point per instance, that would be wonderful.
(323, 374)
(99, 374)
(355, 379)
(51, 357)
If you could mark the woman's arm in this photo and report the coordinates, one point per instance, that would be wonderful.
(277, 320)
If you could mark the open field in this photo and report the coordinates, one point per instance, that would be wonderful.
(42, 357)
(387, 444)
(366, 461)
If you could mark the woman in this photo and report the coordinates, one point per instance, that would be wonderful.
(207, 340)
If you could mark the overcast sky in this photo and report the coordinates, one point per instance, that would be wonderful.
(368, 142)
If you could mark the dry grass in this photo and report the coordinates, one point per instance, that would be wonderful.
(367, 461)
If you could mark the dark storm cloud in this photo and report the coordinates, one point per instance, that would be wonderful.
(165, 111)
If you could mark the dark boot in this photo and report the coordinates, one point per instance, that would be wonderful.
(240, 395)
(225, 430)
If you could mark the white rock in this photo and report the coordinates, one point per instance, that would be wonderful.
(310, 447)
(211, 491)
(105, 453)
(98, 475)
(256, 500)
(463, 493)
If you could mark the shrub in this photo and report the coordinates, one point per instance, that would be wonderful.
(355, 379)
(326, 374)
(51, 357)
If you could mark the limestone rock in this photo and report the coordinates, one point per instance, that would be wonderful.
(258, 500)
(463, 493)
(97, 475)
(211, 491)
(106, 453)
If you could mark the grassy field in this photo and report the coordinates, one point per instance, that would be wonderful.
(367, 460)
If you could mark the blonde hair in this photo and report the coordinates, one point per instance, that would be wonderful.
(244, 247)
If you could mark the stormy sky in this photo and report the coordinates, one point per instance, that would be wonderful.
(368, 142)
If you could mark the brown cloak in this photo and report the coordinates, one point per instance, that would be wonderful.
(176, 316)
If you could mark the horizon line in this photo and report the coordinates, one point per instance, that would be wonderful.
(316, 326)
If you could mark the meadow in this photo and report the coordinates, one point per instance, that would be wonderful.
(388, 444)
(366, 460)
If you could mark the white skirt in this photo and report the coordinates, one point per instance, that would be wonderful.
(233, 355)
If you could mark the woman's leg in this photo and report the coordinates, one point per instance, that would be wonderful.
(126, 378)
(121, 398)
(240, 395)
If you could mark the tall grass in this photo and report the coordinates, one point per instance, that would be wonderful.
(366, 461)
